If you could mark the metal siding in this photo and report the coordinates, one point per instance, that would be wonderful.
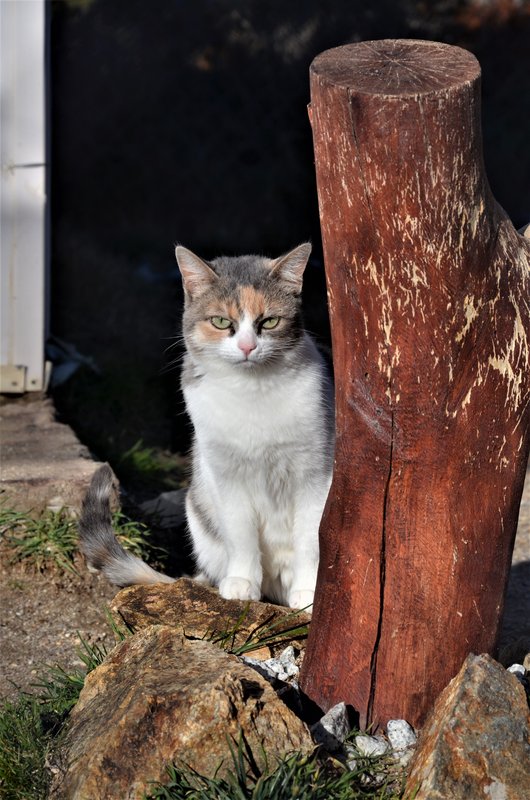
(23, 199)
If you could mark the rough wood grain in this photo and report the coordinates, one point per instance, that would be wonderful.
(428, 287)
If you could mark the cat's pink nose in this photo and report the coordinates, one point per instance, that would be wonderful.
(246, 346)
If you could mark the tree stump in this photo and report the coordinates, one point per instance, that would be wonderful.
(429, 292)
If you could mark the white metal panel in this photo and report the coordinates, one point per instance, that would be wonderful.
(23, 193)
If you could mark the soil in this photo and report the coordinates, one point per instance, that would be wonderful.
(44, 617)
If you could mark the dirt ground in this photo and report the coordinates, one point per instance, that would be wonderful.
(44, 615)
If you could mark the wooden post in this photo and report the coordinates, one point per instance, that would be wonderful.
(429, 293)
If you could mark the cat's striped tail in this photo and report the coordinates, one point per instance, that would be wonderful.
(98, 542)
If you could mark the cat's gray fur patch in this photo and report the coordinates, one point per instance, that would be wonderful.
(97, 540)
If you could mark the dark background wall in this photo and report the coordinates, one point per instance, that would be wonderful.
(185, 120)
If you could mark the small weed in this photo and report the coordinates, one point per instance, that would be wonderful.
(51, 538)
(120, 632)
(13, 583)
(296, 776)
(134, 536)
(271, 632)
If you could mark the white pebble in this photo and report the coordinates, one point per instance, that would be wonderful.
(275, 668)
(287, 656)
(260, 666)
(519, 672)
(400, 734)
(371, 745)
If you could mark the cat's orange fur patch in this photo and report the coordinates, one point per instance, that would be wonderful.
(232, 311)
(210, 333)
(252, 301)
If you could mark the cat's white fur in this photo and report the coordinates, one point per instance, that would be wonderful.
(261, 465)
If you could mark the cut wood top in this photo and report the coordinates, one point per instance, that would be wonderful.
(396, 67)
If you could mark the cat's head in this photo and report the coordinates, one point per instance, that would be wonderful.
(242, 311)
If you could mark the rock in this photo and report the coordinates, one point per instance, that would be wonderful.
(287, 663)
(168, 508)
(351, 757)
(43, 463)
(402, 740)
(331, 730)
(262, 667)
(284, 668)
(371, 746)
(199, 612)
(160, 698)
(519, 671)
(400, 734)
(475, 744)
(366, 757)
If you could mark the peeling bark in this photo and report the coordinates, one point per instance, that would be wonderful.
(428, 288)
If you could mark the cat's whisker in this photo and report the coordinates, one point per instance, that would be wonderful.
(179, 341)
(173, 364)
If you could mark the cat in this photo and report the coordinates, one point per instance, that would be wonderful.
(261, 402)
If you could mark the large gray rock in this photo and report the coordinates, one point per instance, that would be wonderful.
(475, 744)
(160, 698)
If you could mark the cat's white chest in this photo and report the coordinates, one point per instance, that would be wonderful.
(248, 414)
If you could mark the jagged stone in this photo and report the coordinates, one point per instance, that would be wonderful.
(199, 612)
(475, 744)
(160, 698)
(167, 509)
(283, 668)
(332, 729)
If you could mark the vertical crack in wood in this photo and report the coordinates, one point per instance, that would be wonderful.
(382, 578)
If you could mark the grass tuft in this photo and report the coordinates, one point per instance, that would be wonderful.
(134, 536)
(31, 725)
(296, 776)
(51, 539)
(270, 633)
(26, 733)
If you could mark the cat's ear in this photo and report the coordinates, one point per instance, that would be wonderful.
(197, 275)
(290, 267)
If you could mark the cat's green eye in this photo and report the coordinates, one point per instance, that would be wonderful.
(222, 323)
(270, 323)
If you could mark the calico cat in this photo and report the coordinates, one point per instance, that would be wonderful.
(261, 403)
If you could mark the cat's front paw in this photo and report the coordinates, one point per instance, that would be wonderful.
(238, 589)
(302, 598)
